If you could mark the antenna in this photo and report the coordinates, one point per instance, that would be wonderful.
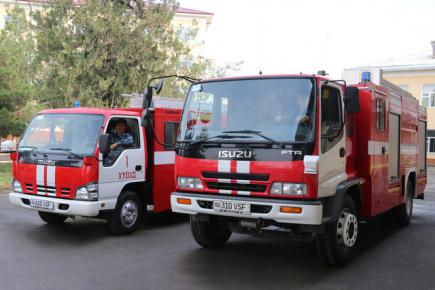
(260, 38)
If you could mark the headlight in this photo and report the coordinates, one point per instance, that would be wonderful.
(16, 186)
(189, 183)
(288, 188)
(88, 192)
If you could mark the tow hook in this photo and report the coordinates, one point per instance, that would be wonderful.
(256, 225)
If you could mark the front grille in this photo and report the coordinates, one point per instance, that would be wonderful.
(236, 186)
(46, 189)
(28, 187)
(65, 191)
(237, 176)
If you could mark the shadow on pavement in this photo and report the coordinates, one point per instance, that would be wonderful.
(82, 231)
(268, 263)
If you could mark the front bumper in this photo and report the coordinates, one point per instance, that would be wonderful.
(74, 207)
(312, 211)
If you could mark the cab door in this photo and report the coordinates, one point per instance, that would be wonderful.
(332, 165)
(127, 167)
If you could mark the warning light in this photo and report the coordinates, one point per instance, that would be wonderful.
(366, 76)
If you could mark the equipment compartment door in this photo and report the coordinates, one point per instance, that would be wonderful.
(394, 145)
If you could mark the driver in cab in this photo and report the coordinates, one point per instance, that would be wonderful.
(120, 138)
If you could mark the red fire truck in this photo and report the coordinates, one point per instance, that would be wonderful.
(66, 166)
(298, 156)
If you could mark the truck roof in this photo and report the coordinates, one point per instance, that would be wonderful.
(158, 102)
(264, 77)
(97, 111)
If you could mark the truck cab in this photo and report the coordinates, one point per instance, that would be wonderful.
(61, 169)
(278, 156)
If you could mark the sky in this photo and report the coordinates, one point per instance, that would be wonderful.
(278, 36)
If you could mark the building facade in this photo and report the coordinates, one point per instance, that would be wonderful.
(416, 74)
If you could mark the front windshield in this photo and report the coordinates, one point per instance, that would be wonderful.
(282, 109)
(74, 133)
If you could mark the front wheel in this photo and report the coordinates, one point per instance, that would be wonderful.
(336, 245)
(127, 214)
(213, 233)
(52, 218)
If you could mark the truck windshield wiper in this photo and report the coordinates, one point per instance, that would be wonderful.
(257, 133)
(221, 136)
(27, 147)
(67, 150)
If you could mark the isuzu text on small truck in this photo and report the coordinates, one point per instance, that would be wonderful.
(298, 156)
(65, 164)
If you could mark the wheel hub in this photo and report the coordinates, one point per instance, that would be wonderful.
(129, 213)
(347, 229)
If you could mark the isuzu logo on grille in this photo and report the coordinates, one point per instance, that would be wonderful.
(242, 154)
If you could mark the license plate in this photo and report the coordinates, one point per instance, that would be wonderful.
(231, 207)
(42, 204)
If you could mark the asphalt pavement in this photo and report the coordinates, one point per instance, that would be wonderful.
(162, 255)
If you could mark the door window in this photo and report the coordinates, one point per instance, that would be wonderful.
(124, 135)
(332, 120)
(380, 115)
(170, 138)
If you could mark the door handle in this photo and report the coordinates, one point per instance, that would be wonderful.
(384, 150)
(138, 168)
(342, 152)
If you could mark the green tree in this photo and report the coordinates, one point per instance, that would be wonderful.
(99, 50)
(16, 72)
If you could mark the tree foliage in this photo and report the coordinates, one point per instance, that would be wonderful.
(16, 71)
(99, 50)
(93, 53)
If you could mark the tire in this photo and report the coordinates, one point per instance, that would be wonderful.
(52, 218)
(127, 215)
(403, 212)
(211, 234)
(337, 244)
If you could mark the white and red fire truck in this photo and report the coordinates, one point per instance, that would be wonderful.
(63, 166)
(298, 156)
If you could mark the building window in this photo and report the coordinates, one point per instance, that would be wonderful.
(404, 87)
(430, 141)
(427, 98)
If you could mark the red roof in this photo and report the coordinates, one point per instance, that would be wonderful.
(183, 10)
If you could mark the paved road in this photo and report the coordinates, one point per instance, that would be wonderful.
(162, 255)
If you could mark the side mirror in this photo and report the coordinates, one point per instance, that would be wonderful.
(104, 142)
(351, 100)
(13, 156)
(144, 119)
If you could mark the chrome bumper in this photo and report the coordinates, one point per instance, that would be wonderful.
(75, 207)
(312, 211)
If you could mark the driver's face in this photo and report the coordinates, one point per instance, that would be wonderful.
(120, 128)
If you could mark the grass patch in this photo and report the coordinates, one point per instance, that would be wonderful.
(5, 176)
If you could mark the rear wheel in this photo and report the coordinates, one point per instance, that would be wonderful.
(213, 233)
(336, 245)
(52, 218)
(127, 214)
(403, 212)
